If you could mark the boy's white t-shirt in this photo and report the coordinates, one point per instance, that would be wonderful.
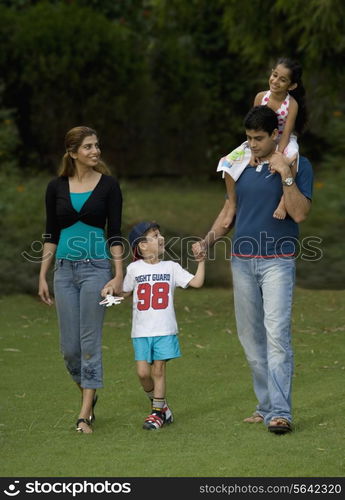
(153, 287)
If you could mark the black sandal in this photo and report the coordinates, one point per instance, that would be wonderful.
(279, 425)
(92, 417)
(84, 421)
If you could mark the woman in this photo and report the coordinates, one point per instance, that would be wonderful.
(79, 203)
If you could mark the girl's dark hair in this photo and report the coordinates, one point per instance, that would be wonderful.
(298, 93)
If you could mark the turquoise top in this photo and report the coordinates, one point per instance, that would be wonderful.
(81, 241)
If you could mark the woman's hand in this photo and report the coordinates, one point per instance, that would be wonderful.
(43, 291)
(113, 287)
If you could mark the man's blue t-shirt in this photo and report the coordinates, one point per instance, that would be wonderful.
(257, 232)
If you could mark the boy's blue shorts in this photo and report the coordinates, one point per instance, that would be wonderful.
(162, 347)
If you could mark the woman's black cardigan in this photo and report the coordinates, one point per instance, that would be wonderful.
(104, 206)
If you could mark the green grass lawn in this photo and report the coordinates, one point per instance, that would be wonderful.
(209, 390)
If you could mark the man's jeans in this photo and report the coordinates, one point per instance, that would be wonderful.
(77, 290)
(263, 291)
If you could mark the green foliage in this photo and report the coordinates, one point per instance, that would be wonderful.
(335, 151)
(166, 83)
(176, 72)
(197, 27)
(312, 32)
(251, 27)
(9, 142)
(66, 56)
(318, 26)
(133, 13)
(71, 65)
(22, 226)
(16, 4)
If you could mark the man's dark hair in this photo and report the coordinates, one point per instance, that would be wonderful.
(261, 118)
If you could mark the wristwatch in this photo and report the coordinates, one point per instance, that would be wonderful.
(288, 181)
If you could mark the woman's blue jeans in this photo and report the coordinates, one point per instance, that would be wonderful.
(263, 293)
(77, 290)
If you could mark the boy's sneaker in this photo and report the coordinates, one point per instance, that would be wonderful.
(169, 417)
(155, 420)
(158, 418)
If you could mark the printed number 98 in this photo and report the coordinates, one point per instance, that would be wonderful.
(156, 296)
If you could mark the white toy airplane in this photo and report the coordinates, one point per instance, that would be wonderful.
(110, 300)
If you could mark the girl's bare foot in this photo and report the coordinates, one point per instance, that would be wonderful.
(279, 213)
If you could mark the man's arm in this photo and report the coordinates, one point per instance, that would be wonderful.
(217, 230)
(296, 204)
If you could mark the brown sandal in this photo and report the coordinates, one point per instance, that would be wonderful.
(256, 418)
(279, 425)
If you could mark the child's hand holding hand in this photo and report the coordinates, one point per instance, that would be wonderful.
(199, 250)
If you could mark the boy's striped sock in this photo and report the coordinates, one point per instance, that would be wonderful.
(158, 404)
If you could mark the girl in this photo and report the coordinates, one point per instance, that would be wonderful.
(286, 97)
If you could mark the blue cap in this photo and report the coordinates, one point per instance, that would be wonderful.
(138, 232)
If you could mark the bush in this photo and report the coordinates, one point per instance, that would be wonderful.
(9, 142)
(71, 66)
(158, 87)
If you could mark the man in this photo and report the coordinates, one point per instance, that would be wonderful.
(263, 264)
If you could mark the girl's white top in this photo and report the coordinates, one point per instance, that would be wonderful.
(282, 112)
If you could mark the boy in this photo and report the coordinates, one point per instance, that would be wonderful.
(154, 327)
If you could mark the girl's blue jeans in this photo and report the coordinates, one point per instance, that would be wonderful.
(77, 290)
(263, 292)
